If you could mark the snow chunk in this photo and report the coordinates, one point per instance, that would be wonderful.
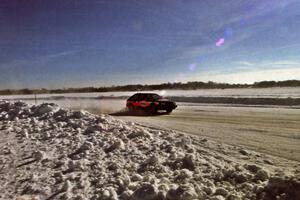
(145, 192)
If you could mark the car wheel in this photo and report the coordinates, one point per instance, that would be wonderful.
(152, 110)
(169, 110)
(130, 108)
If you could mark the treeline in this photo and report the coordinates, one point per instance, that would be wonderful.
(266, 84)
(171, 86)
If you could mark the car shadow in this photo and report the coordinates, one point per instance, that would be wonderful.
(137, 113)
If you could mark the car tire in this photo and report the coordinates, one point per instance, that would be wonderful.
(152, 110)
(169, 110)
(130, 108)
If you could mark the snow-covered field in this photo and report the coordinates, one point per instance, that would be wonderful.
(284, 92)
(52, 153)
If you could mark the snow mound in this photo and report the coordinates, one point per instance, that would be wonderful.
(52, 153)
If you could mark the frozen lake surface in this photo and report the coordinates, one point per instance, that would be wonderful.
(292, 92)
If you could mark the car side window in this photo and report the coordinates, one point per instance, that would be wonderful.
(142, 97)
(150, 97)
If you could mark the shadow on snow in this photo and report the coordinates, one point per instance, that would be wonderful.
(126, 112)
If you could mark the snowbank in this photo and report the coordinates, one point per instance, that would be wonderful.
(52, 153)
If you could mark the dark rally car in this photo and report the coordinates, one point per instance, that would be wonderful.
(150, 102)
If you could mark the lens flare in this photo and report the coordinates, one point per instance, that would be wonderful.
(220, 42)
(192, 67)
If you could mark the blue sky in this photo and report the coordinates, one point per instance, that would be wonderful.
(77, 43)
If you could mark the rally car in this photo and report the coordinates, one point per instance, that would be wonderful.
(149, 102)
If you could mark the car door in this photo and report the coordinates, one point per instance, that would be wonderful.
(143, 101)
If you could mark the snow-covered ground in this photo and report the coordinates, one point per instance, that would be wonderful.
(278, 92)
(52, 153)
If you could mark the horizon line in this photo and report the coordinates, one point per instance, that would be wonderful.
(177, 82)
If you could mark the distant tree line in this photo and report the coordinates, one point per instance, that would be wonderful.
(266, 84)
(170, 86)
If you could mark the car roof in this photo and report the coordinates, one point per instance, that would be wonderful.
(146, 93)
